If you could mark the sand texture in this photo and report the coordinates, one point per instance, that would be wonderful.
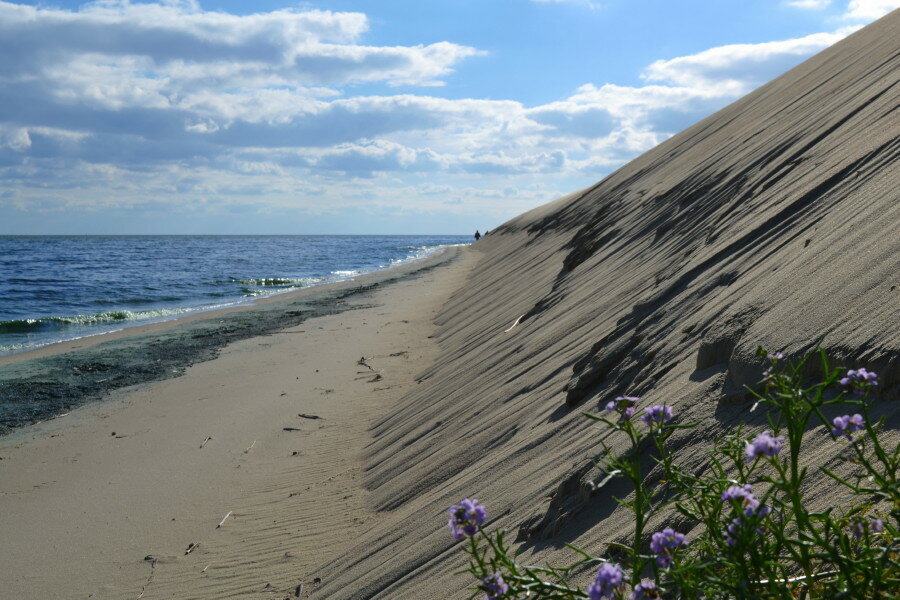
(773, 222)
(104, 501)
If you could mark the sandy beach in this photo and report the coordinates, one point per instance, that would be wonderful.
(104, 501)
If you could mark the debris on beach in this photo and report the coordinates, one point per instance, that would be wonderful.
(191, 547)
(308, 416)
(225, 518)
(292, 429)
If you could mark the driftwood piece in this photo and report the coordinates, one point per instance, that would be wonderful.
(250, 447)
(225, 518)
(516, 322)
(191, 547)
(209, 437)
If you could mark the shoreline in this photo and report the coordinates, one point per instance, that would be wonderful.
(267, 438)
(42, 383)
(199, 313)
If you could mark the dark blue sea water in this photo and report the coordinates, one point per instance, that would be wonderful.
(54, 288)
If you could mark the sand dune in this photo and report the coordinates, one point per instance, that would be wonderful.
(773, 222)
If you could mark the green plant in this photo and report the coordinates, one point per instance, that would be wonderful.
(753, 535)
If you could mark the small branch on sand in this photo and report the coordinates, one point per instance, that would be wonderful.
(514, 324)
(308, 416)
(191, 547)
(250, 447)
(209, 437)
(298, 590)
(225, 518)
(362, 362)
(205, 568)
(291, 428)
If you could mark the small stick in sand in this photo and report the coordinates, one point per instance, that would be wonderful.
(209, 437)
(191, 547)
(298, 590)
(308, 416)
(250, 447)
(225, 518)
(291, 428)
(514, 324)
(206, 567)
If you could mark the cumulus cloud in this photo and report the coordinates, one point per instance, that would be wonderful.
(740, 67)
(868, 10)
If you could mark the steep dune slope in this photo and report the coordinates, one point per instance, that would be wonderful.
(773, 222)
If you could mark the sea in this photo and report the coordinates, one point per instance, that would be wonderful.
(57, 288)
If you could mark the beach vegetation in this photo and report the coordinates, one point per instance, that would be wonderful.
(740, 526)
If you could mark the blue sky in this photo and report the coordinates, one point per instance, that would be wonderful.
(380, 116)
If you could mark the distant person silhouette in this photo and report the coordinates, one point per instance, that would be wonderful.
(477, 235)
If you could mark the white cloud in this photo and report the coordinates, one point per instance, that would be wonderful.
(869, 10)
(741, 67)
(809, 4)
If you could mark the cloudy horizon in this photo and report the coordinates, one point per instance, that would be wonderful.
(197, 117)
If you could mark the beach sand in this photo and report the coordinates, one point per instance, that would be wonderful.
(104, 502)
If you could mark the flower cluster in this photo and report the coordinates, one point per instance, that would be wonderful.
(607, 583)
(861, 528)
(465, 518)
(742, 498)
(847, 424)
(494, 586)
(859, 380)
(664, 543)
(765, 444)
(624, 405)
(657, 415)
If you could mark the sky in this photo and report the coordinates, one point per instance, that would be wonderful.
(362, 117)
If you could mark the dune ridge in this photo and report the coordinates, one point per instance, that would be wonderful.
(772, 222)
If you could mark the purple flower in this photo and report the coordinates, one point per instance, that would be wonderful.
(859, 380)
(663, 543)
(608, 580)
(465, 518)
(765, 444)
(659, 414)
(731, 532)
(860, 528)
(624, 405)
(494, 586)
(742, 496)
(846, 424)
(645, 590)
